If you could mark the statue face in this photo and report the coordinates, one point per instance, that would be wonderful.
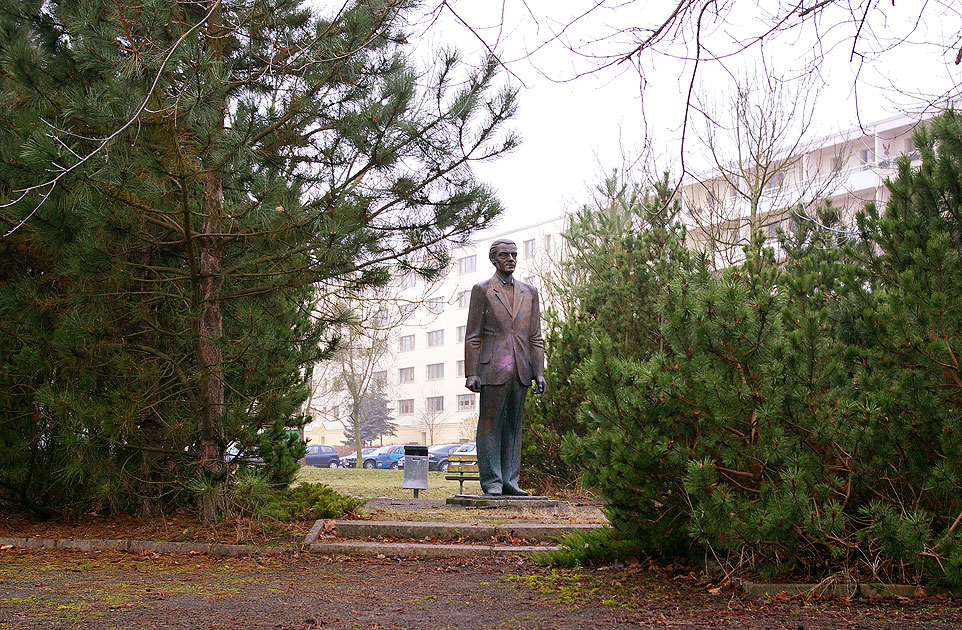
(506, 258)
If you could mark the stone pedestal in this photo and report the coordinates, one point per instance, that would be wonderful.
(502, 501)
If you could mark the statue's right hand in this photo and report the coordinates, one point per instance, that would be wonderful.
(473, 383)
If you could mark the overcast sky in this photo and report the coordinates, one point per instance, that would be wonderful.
(574, 131)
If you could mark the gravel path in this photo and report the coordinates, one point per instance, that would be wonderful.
(54, 589)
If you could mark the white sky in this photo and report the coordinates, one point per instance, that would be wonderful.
(574, 132)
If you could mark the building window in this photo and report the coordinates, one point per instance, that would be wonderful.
(436, 305)
(405, 375)
(405, 407)
(547, 242)
(407, 343)
(435, 371)
(468, 264)
(910, 149)
(464, 299)
(461, 332)
(407, 310)
(529, 248)
(434, 403)
(435, 338)
(466, 402)
(380, 378)
(460, 368)
(336, 412)
(776, 181)
(867, 156)
(408, 280)
(532, 280)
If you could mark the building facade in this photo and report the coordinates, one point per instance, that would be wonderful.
(768, 192)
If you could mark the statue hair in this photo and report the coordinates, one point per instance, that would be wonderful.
(492, 252)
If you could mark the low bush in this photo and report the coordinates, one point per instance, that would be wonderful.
(253, 497)
(592, 547)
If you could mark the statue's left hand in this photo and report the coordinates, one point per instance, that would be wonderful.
(540, 385)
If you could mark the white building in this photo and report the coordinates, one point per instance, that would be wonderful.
(422, 369)
(849, 168)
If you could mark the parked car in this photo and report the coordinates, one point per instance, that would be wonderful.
(350, 460)
(235, 454)
(385, 457)
(321, 455)
(468, 448)
(438, 456)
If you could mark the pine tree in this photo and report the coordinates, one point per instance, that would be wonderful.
(619, 256)
(375, 421)
(911, 319)
(186, 183)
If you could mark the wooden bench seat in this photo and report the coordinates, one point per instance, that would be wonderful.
(462, 467)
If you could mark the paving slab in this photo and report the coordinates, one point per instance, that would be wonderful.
(501, 501)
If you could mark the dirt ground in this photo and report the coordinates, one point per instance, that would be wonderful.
(55, 589)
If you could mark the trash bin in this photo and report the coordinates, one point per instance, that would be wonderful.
(416, 468)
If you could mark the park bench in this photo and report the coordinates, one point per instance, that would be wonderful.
(462, 467)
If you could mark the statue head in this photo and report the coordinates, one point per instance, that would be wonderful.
(503, 254)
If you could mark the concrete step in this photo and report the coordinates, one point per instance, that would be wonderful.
(424, 550)
(449, 531)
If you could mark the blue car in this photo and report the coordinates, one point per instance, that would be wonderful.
(384, 457)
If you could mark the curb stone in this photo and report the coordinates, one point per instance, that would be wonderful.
(421, 550)
(848, 590)
(139, 546)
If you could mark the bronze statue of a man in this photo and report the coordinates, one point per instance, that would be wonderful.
(503, 354)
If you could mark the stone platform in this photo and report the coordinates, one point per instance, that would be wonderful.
(502, 501)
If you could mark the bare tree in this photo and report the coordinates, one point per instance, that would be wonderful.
(430, 421)
(763, 175)
(352, 375)
(367, 344)
(804, 39)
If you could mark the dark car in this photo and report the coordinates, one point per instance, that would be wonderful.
(438, 456)
(350, 460)
(321, 455)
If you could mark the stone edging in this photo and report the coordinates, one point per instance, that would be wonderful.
(420, 550)
(848, 590)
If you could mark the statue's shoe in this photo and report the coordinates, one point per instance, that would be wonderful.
(515, 492)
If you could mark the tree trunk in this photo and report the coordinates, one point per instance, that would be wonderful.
(151, 479)
(210, 325)
(210, 332)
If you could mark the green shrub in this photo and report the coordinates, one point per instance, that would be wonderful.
(313, 500)
(802, 415)
(253, 497)
(593, 547)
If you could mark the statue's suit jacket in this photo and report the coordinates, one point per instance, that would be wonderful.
(495, 332)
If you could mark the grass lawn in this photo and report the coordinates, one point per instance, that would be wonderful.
(381, 483)
(386, 485)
